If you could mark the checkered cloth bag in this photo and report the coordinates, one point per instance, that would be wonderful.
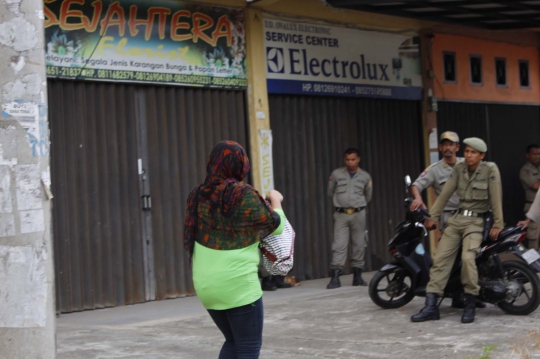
(278, 251)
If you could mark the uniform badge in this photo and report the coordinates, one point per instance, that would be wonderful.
(423, 174)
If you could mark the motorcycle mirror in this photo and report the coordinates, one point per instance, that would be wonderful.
(408, 181)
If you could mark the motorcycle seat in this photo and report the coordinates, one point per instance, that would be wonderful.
(508, 231)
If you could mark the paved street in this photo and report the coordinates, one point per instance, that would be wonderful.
(302, 322)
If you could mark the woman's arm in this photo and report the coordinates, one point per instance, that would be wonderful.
(275, 199)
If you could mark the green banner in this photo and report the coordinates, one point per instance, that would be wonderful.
(145, 41)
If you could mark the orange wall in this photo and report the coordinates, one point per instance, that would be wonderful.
(463, 90)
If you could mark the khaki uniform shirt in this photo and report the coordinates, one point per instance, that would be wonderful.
(350, 192)
(436, 176)
(529, 175)
(478, 193)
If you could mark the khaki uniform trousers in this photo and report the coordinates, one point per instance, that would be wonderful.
(532, 230)
(460, 229)
(445, 216)
(349, 227)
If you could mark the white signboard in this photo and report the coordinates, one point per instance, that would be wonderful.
(267, 163)
(325, 60)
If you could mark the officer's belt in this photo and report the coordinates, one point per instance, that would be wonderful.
(349, 210)
(467, 213)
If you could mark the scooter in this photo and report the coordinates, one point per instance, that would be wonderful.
(513, 285)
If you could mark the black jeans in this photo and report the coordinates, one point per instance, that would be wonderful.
(242, 328)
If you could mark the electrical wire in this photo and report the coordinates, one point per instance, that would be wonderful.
(432, 69)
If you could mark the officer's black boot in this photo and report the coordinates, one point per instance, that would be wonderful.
(279, 281)
(268, 284)
(357, 277)
(470, 309)
(430, 310)
(334, 281)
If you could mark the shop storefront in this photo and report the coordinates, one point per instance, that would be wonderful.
(139, 92)
(331, 88)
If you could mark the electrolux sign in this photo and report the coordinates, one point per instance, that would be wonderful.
(320, 60)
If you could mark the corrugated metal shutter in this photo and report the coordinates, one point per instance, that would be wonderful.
(512, 128)
(310, 136)
(96, 210)
(183, 125)
(108, 252)
(467, 119)
(507, 130)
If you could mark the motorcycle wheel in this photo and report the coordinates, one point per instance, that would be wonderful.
(390, 290)
(529, 299)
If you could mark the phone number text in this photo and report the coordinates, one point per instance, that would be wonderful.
(123, 75)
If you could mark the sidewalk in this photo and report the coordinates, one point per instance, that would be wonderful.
(302, 322)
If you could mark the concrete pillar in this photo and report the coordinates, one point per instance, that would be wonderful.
(257, 94)
(27, 309)
(429, 118)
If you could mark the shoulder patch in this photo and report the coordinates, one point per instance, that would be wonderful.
(423, 174)
(330, 178)
(370, 183)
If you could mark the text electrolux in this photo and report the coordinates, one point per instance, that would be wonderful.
(300, 64)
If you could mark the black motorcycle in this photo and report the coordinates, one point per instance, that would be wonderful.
(510, 283)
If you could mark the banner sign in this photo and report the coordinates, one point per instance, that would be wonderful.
(145, 41)
(322, 60)
(267, 161)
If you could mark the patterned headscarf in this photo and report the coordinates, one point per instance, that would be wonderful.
(227, 166)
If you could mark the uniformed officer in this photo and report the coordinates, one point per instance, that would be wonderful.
(478, 185)
(437, 174)
(350, 188)
(530, 178)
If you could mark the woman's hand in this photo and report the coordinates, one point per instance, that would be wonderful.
(275, 198)
(524, 223)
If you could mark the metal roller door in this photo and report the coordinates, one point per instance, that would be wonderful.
(310, 136)
(96, 210)
(507, 130)
(124, 158)
(182, 127)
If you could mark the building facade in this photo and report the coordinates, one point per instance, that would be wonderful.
(139, 92)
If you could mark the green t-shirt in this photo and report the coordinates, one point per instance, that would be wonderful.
(226, 279)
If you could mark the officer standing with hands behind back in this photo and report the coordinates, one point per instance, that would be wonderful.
(478, 186)
(350, 188)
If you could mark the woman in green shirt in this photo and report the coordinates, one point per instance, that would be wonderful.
(225, 221)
